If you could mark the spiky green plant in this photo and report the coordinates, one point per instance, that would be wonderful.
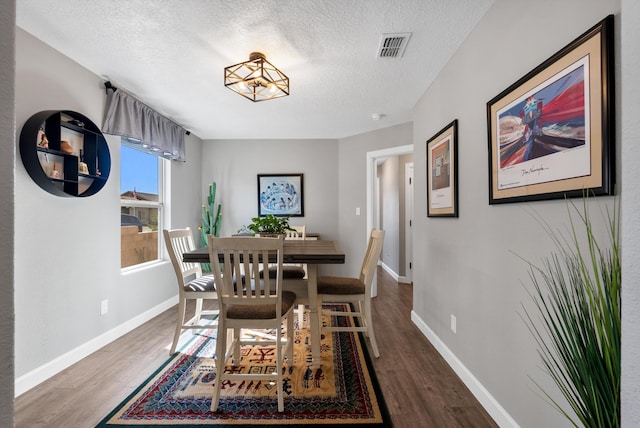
(211, 219)
(576, 295)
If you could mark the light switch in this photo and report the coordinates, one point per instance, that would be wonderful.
(358, 211)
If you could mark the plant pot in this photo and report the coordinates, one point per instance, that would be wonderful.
(269, 235)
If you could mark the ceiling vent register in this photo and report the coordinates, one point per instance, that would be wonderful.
(393, 45)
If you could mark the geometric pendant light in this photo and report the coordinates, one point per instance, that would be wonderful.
(256, 79)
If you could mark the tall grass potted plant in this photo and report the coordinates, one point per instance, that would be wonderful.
(576, 321)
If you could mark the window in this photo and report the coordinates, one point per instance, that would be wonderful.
(141, 206)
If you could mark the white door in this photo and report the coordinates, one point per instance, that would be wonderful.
(408, 222)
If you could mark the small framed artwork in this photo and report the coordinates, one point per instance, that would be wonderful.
(281, 195)
(551, 134)
(442, 172)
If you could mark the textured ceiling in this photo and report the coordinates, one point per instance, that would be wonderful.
(171, 55)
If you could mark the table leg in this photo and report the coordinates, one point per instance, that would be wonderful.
(315, 316)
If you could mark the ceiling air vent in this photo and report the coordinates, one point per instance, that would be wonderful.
(393, 45)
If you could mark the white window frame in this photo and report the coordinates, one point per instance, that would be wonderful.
(164, 172)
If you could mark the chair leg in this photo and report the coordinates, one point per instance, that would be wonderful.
(198, 314)
(237, 334)
(221, 352)
(180, 320)
(372, 337)
(279, 365)
(300, 315)
(362, 317)
(290, 339)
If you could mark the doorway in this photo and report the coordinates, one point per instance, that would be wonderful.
(408, 223)
(373, 159)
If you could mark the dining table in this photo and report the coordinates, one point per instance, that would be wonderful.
(304, 251)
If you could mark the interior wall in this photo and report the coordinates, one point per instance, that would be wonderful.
(352, 190)
(235, 164)
(186, 195)
(402, 234)
(390, 202)
(630, 201)
(468, 266)
(392, 212)
(7, 145)
(380, 197)
(66, 258)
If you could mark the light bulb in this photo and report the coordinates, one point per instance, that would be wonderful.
(272, 88)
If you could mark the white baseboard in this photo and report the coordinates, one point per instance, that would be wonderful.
(491, 405)
(389, 271)
(395, 276)
(44, 372)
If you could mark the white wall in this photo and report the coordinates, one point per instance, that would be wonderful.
(334, 182)
(67, 251)
(235, 164)
(186, 196)
(404, 225)
(7, 145)
(353, 188)
(392, 176)
(466, 267)
(630, 111)
(390, 201)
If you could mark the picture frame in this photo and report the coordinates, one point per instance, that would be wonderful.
(281, 195)
(552, 133)
(442, 172)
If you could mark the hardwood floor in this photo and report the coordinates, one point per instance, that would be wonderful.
(419, 388)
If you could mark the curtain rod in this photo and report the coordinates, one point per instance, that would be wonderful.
(108, 85)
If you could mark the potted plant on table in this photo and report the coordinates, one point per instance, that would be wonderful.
(269, 225)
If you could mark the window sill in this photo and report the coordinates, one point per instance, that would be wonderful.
(142, 267)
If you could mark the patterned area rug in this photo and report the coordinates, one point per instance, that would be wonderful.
(342, 392)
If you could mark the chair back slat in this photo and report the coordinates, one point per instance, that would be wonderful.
(263, 265)
(298, 232)
(180, 241)
(238, 280)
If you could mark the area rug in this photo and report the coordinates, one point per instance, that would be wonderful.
(342, 392)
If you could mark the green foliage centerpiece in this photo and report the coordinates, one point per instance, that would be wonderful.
(576, 295)
(269, 225)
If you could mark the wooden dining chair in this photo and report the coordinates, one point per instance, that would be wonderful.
(294, 274)
(249, 301)
(291, 270)
(356, 291)
(192, 284)
(297, 271)
(298, 232)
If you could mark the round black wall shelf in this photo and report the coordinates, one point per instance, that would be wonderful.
(65, 153)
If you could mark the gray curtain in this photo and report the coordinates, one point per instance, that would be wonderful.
(143, 128)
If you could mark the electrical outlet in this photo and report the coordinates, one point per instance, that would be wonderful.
(104, 307)
(453, 323)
